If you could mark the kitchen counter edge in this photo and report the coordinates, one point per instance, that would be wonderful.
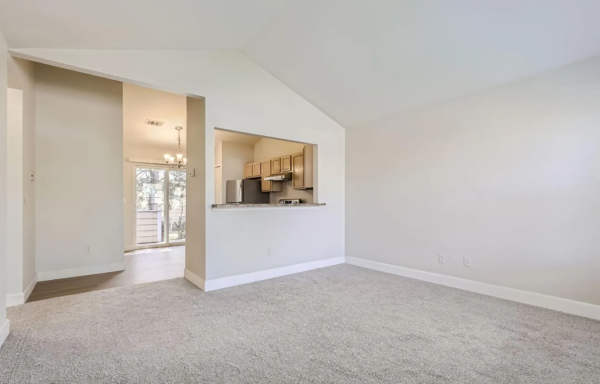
(245, 206)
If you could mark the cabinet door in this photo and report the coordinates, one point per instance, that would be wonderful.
(256, 170)
(265, 168)
(276, 166)
(286, 163)
(298, 172)
(247, 170)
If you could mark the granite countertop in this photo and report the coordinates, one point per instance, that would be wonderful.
(242, 206)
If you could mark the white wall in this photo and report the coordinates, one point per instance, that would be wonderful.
(267, 149)
(22, 225)
(79, 192)
(234, 157)
(3, 200)
(509, 177)
(240, 96)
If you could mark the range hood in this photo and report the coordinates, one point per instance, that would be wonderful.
(281, 177)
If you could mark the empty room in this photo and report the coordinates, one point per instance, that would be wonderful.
(300, 191)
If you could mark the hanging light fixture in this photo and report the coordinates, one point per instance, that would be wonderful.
(178, 160)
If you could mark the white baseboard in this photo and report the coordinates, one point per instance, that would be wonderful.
(14, 299)
(4, 331)
(84, 271)
(231, 281)
(30, 287)
(194, 279)
(536, 299)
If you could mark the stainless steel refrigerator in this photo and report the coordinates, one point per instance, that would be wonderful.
(246, 191)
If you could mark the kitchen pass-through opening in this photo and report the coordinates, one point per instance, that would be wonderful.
(252, 169)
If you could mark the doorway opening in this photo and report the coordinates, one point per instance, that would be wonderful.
(155, 176)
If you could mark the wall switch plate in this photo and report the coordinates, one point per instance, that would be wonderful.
(192, 172)
(467, 262)
(442, 258)
(88, 249)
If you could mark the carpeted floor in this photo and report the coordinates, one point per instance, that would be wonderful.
(341, 324)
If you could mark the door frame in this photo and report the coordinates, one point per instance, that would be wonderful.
(166, 208)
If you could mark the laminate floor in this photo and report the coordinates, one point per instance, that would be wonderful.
(141, 266)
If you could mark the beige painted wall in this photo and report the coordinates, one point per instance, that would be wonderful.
(14, 192)
(3, 200)
(219, 197)
(234, 157)
(197, 190)
(79, 163)
(267, 149)
(23, 268)
(509, 177)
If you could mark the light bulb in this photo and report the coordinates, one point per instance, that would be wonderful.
(185, 160)
(179, 156)
(172, 159)
(167, 157)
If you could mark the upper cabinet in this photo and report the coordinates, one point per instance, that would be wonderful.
(256, 170)
(286, 163)
(268, 186)
(298, 171)
(248, 171)
(301, 165)
(252, 170)
(303, 169)
(276, 166)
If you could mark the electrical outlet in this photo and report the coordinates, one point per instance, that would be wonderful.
(269, 251)
(467, 262)
(442, 258)
(88, 249)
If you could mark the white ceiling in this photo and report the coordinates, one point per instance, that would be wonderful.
(363, 61)
(358, 61)
(134, 24)
(141, 103)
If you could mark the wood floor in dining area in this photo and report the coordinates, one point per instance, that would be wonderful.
(142, 266)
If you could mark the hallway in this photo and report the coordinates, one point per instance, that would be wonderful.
(142, 266)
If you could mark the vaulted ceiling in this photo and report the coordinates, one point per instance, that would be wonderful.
(358, 61)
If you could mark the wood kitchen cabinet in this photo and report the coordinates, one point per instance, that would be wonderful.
(268, 186)
(276, 166)
(298, 171)
(286, 163)
(252, 170)
(256, 170)
(248, 171)
(303, 169)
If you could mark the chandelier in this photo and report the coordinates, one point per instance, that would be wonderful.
(178, 160)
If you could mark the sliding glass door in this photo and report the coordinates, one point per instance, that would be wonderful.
(159, 206)
(177, 185)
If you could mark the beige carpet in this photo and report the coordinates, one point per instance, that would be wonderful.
(341, 324)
